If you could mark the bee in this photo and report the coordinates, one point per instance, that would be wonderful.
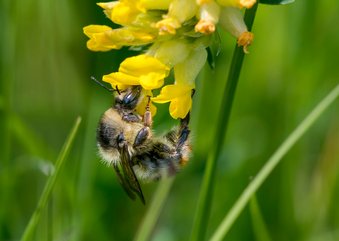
(126, 141)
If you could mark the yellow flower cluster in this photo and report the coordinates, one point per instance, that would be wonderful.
(177, 33)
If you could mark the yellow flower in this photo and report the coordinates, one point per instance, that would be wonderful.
(180, 97)
(123, 12)
(108, 6)
(231, 19)
(179, 11)
(143, 70)
(130, 37)
(185, 73)
(103, 38)
(99, 38)
(208, 16)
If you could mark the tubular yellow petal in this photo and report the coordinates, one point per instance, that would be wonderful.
(152, 81)
(99, 38)
(180, 98)
(130, 37)
(143, 65)
(118, 78)
(171, 92)
(125, 12)
(91, 30)
(179, 108)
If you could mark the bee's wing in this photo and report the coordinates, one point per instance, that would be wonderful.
(131, 181)
(123, 182)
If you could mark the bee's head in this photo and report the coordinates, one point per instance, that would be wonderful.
(128, 99)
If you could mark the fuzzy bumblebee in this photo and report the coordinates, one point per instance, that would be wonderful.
(125, 141)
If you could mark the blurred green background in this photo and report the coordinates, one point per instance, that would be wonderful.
(45, 81)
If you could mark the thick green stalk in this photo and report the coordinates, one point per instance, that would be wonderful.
(206, 193)
(29, 230)
(272, 163)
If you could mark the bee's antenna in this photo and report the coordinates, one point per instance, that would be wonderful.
(117, 90)
(102, 85)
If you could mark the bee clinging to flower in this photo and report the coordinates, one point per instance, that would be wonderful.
(126, 141)
(173, 36)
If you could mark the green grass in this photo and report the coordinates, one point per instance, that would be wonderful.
(45, 72)
(51, 181)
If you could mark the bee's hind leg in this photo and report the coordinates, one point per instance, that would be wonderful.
(148, 115)
(184, 131)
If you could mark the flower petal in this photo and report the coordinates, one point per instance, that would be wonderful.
(99, 38)
(152, 81)
(120, 79)
(142, 65)
(180, 107)
(180, 98)
(170, 92)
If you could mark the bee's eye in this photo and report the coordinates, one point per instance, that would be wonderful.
(131, 99)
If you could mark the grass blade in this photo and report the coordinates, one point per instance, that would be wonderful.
(206, 192)
(152, 215)
(29, 230)
(272, 163)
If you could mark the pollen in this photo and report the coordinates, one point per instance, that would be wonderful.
(205, 27)
(245, 40)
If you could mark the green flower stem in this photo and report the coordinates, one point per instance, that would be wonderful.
(29, 230)
(205, 198)
(152, 215)
(272, 163)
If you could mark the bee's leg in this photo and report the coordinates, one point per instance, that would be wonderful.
(183, 131)
(130, 117)
(142, 136)
(148, 115)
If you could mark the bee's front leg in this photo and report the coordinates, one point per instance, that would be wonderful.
(142, 136)
(148, 115)
(130, 117)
